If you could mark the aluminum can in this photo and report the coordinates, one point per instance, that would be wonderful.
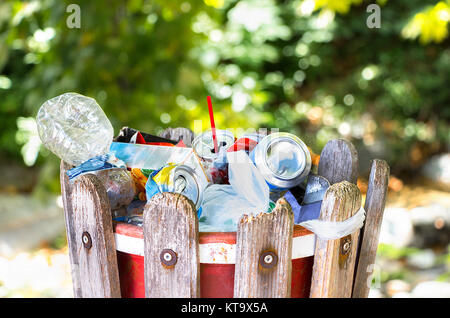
(178, 179)
(203, 144)
(283, 159)
(188, 183)
(214, 164)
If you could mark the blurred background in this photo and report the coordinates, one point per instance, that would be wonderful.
(311, 67)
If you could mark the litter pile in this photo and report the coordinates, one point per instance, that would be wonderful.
(224, 176)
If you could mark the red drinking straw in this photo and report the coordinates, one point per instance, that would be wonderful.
(213, 126)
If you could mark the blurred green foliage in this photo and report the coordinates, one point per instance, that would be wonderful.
(313, 68)
(396, 253)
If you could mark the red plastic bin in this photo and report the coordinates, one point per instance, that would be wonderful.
(217, 262)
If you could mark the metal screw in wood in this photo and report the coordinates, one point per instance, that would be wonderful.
(346, 245)
(86, 239)
(168, 257)
(268, 259)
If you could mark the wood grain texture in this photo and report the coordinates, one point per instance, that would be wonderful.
(66, 194)
(170, 222)
(98, 270)
(179, 133)
(374, 206)
(339, 161)
(334, 265)
(256, 235)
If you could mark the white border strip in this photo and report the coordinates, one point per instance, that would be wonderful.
(217, 253)
(129, 244)
(303, 246)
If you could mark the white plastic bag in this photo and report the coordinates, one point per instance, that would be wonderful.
(248, 181)
(248, 193)
(327, 230)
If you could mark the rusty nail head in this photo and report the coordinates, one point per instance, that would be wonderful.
(168, 257)
(87, 241)
(346, 246)
(268, 259)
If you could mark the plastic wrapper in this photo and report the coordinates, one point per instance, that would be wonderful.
(328, 230)
(74, 127)
(137, 220)
(247, 193)
(126, 135)
(98, 163)
(140, 177)
(154, 157)
(119, 186)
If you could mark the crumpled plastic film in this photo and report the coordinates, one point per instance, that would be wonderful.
(248, 181)
(328, 230)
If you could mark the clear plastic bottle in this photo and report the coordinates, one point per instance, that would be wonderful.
(74, 127)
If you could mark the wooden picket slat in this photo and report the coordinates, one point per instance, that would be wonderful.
(94, 239)
(263, 254)
(66, 194)
(171, 251)
(374, 206)
(339, 161)
(334, 260)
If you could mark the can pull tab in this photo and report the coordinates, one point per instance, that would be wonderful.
(221, 145)
(180, 184)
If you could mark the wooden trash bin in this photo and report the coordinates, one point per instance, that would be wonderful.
(268, 256)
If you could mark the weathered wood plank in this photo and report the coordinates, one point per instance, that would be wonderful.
(171, 251)
(179, 133)
(94, 238)
(374, 206)
(66, 194)
(339, 161)
(263, 254)
(334, 260)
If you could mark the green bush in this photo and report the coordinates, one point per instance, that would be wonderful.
(312, 68)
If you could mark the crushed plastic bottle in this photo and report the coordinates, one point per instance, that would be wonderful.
(74, 127)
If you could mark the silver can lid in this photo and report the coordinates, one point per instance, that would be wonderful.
(203, 144)
(283, 159)
(253, 136)
(186, 183)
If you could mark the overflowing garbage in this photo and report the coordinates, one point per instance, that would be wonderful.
(225, 176)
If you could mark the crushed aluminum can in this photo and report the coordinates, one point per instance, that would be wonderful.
(316, 186)
(283, 159)
(188, 183)
(178, 179)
